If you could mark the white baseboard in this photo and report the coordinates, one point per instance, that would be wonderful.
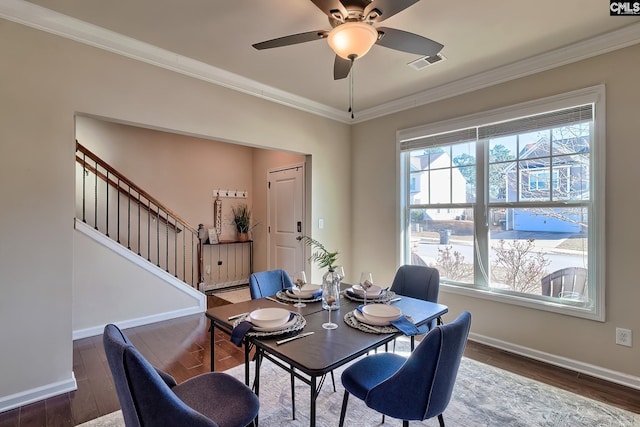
(39, 393)
(563, 362)
(131, 323)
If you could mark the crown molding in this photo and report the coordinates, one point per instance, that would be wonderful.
(34, 16)
(43, 19)
(609, 42)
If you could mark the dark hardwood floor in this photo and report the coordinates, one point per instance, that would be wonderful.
(181, 347)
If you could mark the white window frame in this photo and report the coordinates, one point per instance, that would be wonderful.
(554, 177)
(596, 249)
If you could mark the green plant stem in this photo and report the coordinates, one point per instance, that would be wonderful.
(321, 256)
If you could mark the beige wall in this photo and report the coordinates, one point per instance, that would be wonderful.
(581, 341)
(109, 288)
(47, 81)
(182, 171)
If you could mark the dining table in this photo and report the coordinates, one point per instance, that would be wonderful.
(311, 357)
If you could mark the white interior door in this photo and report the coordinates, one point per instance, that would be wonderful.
(286, 219)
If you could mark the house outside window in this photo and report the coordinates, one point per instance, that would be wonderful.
(539, 181)
(414, 186)
(508, 204)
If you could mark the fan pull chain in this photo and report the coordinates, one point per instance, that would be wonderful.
(351, 90)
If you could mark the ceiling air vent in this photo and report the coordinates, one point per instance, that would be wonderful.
(425, 61)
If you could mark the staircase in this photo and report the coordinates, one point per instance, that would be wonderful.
(116, 207)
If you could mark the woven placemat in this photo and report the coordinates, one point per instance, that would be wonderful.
(285, 297)
(298, 325)
(350, 319)
(385, 298)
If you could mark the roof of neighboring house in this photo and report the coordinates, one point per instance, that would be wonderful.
(424, 162)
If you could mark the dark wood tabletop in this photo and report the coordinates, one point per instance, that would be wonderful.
(328, 349)
(324, 350)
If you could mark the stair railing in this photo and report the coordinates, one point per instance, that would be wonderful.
(118, 208)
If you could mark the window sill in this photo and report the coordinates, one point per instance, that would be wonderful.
(590, 313)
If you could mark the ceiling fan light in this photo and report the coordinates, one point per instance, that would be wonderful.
(352, 39)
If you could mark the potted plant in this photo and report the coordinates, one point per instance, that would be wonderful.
(242, 221)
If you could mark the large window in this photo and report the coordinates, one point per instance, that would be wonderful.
(509, 204)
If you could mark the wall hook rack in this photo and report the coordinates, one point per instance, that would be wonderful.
(231, 194)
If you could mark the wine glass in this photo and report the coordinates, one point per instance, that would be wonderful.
(299, 281)
(330, 304)
(366, 281)
(339, 270)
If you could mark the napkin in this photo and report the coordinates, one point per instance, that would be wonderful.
(238, 333)
(407, 327)
(404, 325)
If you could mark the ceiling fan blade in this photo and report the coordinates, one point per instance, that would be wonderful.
(332, 8)
(408, 42)
(383, 9)
(341, 68)
(292, 39)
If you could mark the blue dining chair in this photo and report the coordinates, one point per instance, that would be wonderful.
(151, 397)
(417, 387)
(268, 283)
(418, 281)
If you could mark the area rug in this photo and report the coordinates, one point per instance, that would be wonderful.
(483, 396)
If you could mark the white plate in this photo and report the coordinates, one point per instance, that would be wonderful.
(269, 317)
(372, 292)
(381, 312)
(275, 328)
(360, 318)
(307, 291)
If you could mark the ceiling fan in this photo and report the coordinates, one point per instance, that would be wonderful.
(353, 33)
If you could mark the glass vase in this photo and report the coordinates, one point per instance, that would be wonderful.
(331, 290)
(330, 296)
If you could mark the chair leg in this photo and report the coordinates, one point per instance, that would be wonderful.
(324, 377)
(293, 395)
(255, 379)
(441, 420)
(343, 411)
